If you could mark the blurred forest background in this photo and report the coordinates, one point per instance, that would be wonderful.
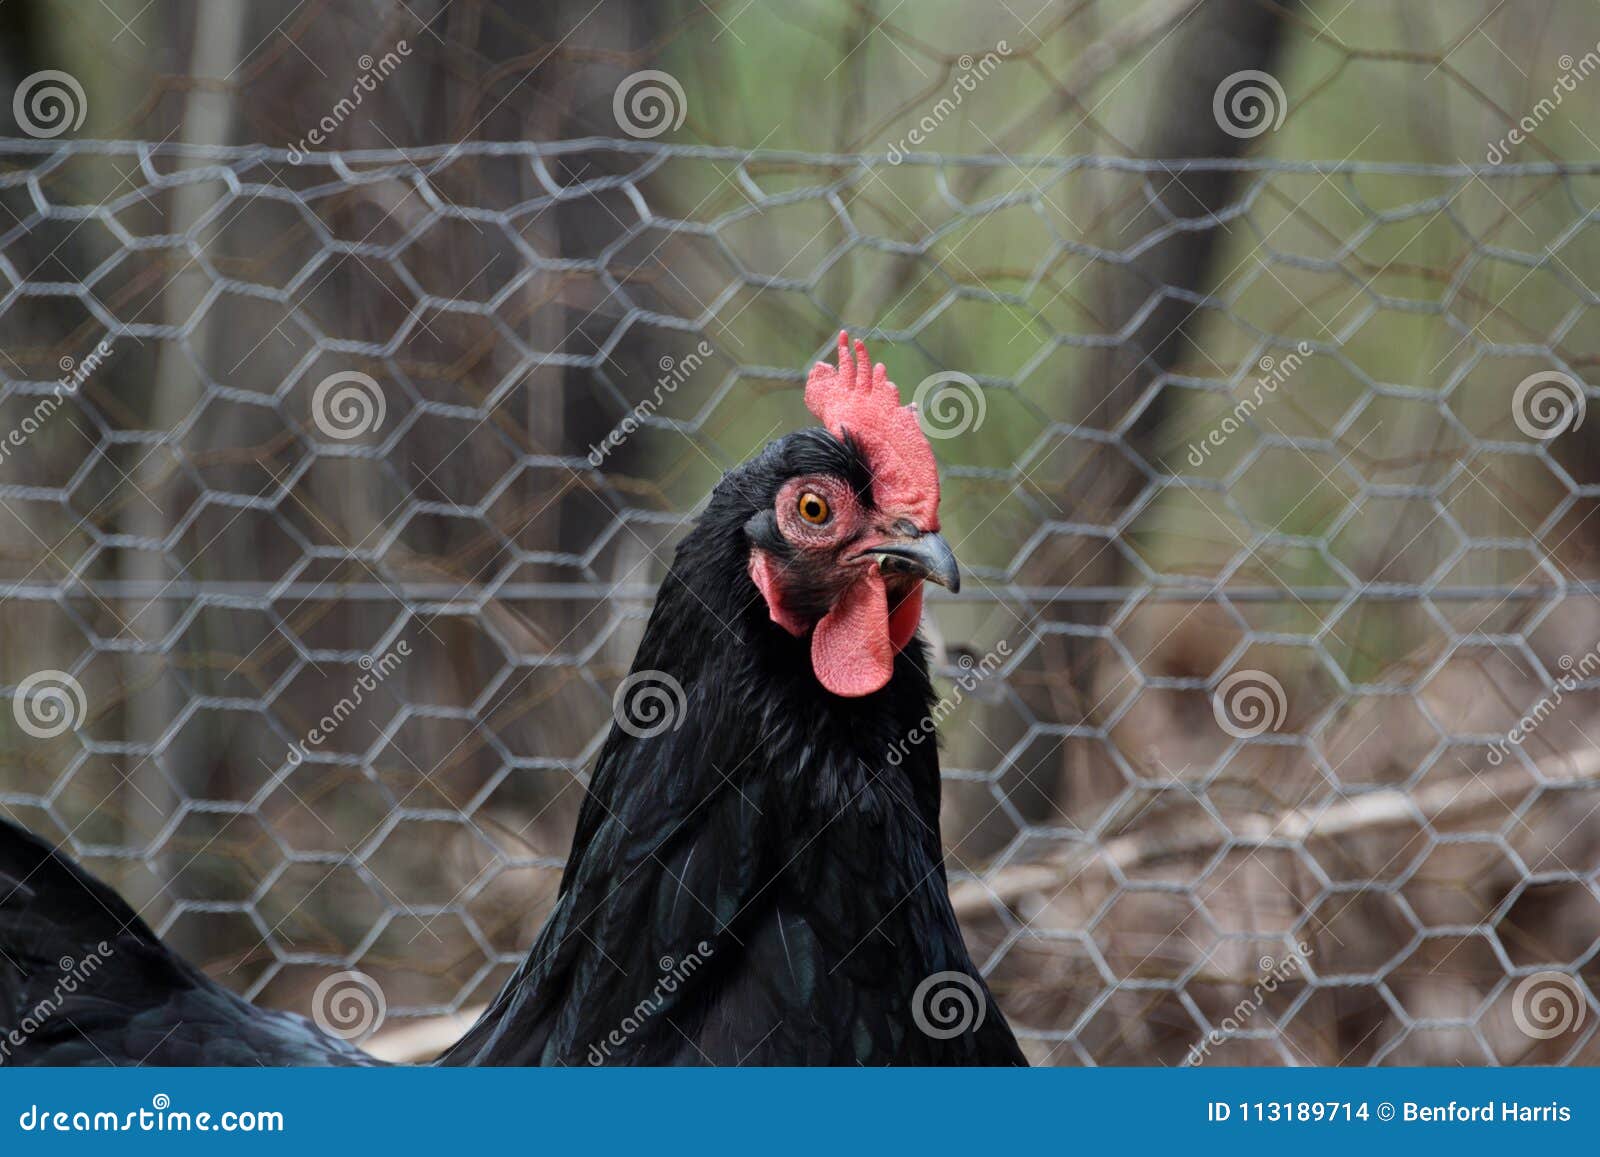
(1381, 536)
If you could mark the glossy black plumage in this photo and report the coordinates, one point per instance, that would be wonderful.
(770, 827)
(759, 884)
(83, 981)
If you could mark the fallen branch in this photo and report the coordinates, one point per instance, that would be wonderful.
(1370, 811)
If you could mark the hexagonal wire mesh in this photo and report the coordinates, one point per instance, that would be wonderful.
(349, 528)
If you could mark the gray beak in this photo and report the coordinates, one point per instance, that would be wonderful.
(927, 556)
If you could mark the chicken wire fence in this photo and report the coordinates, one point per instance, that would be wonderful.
(336, 488)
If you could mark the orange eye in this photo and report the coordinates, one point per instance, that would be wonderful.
(813, 508)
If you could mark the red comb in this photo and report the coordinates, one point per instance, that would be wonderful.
(859, 399)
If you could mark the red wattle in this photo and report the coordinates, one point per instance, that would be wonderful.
(851, 651)
(905, 618)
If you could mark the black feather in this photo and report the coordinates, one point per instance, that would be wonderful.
(758, 884)
(84, 981)
(767, 837)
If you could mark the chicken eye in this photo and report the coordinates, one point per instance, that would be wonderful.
(813, 508)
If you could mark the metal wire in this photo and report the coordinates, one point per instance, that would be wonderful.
(192, 540)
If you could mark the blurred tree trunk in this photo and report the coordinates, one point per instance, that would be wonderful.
(28, 46)
(244, 73)
(22, 47)
(1220, 38)
(208, 116)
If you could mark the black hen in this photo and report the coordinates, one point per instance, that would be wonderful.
(83, 981)
(756, 876)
